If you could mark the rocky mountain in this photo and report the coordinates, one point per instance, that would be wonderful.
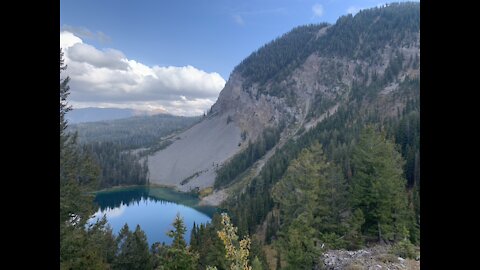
(292, 84)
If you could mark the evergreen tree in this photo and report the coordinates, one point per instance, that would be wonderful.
(378, 187)
(316, 189)
(133, 250)
(178, 233)
(298, 244)
(256, 264)
(178, 255)
(79, 248)
(194, 237)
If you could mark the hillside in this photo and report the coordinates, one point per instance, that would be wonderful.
(133, 132)
(295, 82)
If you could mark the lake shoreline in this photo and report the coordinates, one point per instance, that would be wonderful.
(152, 208)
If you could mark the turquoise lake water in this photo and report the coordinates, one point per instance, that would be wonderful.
(154, 209)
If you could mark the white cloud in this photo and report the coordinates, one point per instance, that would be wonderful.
(68, 39)
(115, 212)
(238, 19)
(353, 10)
(107, 78)
(85, 53)
(317, 10)
(83, 32)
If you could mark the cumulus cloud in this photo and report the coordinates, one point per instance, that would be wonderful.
(83, 32)
(68, 39)
(85, 53)
(107, 78)
(238, 19)
(317, 10)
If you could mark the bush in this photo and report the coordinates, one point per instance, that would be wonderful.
(333, 241)
(404, 249)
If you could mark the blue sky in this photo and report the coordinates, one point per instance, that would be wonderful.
(212, 36)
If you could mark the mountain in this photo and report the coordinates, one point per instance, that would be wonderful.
(363, 68)
(101, 114)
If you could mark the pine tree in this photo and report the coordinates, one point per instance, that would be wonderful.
(298, 244)
(178, 255)
(378, 187)
(313, 188)
(79, 249)
(133, 250)
(178, 233)
(256, 264)
(194, 237)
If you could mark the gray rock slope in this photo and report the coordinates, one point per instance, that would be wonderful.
(195, 154)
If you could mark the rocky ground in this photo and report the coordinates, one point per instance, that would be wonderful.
(373, 258)
(195, 154)
(214, 199)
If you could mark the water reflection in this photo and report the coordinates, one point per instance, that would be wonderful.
(146, 207)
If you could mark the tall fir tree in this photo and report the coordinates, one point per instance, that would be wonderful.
(179, 256)
(379, 187)
(79, 248)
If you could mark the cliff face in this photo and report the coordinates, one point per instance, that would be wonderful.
(298, 79)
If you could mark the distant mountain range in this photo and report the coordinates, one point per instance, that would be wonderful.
(101, 114)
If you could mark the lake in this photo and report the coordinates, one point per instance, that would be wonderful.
(153, 208)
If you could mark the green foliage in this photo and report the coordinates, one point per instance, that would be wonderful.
(178, 232)
(208, 245)
(378, 186)
(352, 37)
(243, 160)
(353, 236)
(256, 264)
(339, 133)
(134, 132)
(279, 56)
(79, 248)
(311, 197)
(370, 30)
(298, 244)
(178, 256)
(64, 93)
(404, 249)
(118, 167)
(133, 252)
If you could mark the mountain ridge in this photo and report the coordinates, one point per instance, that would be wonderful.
(95, 114)
(365, 56)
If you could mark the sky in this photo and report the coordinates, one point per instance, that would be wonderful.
(173, 56)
